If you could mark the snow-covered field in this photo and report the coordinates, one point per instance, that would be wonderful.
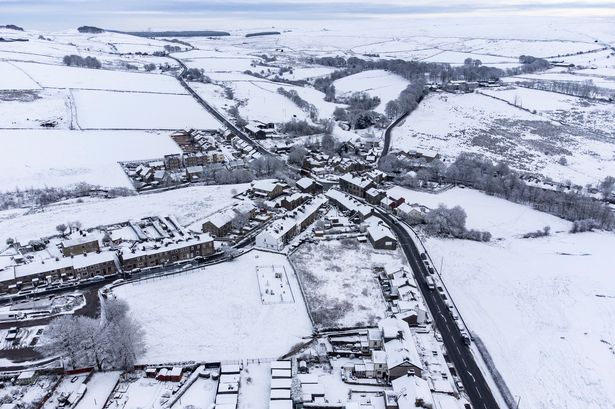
(59, 76)
(535, 142)
(31, 108)
(341, 287)
(544, 307)
(57, 158)
(131, 110)
(376, 83)
(188, 205)
(216, 313)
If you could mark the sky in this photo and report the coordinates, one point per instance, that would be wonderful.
(219, 14)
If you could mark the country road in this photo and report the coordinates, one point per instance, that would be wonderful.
(468, 371)
(221, 118)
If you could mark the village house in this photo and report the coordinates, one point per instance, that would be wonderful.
(82, 243)
(172, 162)
(355, 185)
(412, 392)
(160, 253)
(345, 202)
(293, 201)
(281, 231)
(260, 130)
(61, 268)
(267, 189)
(220, 224)
(308, 185)
(374, 196)
(381, 237)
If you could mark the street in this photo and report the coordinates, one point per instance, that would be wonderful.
(470, 374)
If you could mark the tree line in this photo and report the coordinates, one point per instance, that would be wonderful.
(583, 89)
(79, 61)
(300, 102)
(501, 181)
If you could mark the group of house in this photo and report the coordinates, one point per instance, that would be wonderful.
(291, 223)
(63, 260)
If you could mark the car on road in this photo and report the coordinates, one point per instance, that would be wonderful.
(459, 385)
(430, 283)
(423, 256)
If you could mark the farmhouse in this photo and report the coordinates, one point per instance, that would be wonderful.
(169, 251)
(381, 237)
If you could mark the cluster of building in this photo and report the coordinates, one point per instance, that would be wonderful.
(203, 152)
(64, 260)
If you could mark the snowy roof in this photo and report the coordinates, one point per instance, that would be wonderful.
(400, 352)
(280, 228)
(377, 232)
(265, 185)
(409, 389)
(221, 219)
(361, 182)
(281, 404)
(280, 394)
(281, 365)
(379, 357)
(79, 239)
(44, 266)
(305, 183)
(348, 202)
(283, 383)
(155, 248)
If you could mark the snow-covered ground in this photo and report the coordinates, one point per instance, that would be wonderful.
(376, 83)
(56, 158)
(188, 205)
(341, 286)
(59, 76)
(131, 110)
(543, 307)
(31, 108)
(561, 126)
(99, 387)
(216, 313)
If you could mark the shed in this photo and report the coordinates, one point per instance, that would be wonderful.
(280, 373)
(278, 394)
(280, 365)
(281, 383)
(281, 404)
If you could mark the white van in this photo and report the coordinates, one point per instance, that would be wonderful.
(430, 283)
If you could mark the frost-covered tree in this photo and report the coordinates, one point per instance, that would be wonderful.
(114, 342)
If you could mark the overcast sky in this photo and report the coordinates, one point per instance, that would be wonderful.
(193, 14)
